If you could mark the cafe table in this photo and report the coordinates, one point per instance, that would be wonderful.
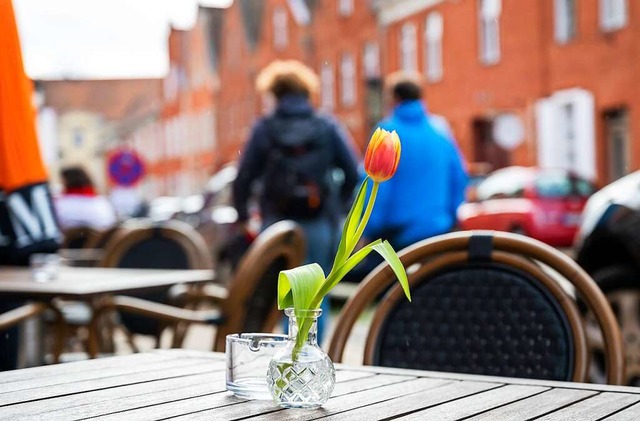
(190, 385)
(90, 285)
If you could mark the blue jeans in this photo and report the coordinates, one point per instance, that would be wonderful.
(321, 237)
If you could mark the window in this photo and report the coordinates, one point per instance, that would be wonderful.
(371, 60)
(408, 60)
(490, 31)
(280, 30)
(433, 41)
(613, 14)
(345, 7)
(327, 90)
(565, 20)
(568, 120)
(347, 80)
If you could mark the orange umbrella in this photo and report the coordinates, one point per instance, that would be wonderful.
(27, 224)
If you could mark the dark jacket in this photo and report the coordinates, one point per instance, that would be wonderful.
(256, 155)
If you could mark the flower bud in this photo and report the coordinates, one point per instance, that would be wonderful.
(382, 156)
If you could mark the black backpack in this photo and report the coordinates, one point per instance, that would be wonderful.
(297, 178)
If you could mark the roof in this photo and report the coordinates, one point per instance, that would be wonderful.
(114, 99)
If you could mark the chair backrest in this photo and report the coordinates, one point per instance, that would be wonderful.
(79, 237)
(100, 241)
(251, 303)
(172, 245)
(483, 304)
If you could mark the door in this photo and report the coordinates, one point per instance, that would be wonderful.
(485, 148)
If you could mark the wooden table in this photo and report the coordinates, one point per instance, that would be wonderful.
(85, 283)
(181, 384)
(90, 285)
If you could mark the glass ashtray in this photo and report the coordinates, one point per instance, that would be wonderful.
(248, 356)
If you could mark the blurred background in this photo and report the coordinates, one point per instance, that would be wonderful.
(530, 83)
(156, 98)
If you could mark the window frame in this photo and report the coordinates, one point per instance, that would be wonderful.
(433, 54)
(327, 86)
(613, 15)
(490, 49)
(348, 70)
(565, 21)
(408, 47)
(280, 22)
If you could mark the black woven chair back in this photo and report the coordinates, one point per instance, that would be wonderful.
(155, 252)
(482, 319)
(262, 301)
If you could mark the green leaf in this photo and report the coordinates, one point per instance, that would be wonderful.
(298, 286)
(385, 250)
(350, 226)
(335, 277)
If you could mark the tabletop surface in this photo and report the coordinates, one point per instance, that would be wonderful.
(180, 384)
(82, 282)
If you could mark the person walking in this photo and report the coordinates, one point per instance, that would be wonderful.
(422, 199)
(292, 155)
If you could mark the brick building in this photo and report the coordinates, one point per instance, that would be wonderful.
(519, 82)
(550, 80)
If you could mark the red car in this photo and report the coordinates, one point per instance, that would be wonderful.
(545, 204)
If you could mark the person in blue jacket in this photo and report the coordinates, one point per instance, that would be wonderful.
(422, 198)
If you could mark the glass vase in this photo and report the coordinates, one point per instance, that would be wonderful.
(301, 375)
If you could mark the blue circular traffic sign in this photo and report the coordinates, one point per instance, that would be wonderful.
(125, 167)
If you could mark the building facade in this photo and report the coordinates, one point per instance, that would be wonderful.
(526, 82)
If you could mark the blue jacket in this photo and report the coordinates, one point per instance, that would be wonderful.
(422, 198)
(257, 152)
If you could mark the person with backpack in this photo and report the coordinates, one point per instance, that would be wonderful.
(291, 159)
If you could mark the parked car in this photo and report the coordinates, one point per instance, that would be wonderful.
(608, 248)
(545, 204)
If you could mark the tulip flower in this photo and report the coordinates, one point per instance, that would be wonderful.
(304, 287)
(382, 156)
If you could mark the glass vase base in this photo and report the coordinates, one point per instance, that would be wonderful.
(301, 385)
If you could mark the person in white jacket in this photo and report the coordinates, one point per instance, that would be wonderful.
(80, 205)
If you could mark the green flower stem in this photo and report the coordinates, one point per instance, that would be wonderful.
(341, 267)
(365, 219)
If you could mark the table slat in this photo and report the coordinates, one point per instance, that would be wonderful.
(414, 401)
(109, 401)
(195, 405)
(109, 363)
(535, 406)
(631, 413)
(477, 403)
(176, 369)
(335, 405)
(593, 408)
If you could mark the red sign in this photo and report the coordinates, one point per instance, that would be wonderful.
(125, 167)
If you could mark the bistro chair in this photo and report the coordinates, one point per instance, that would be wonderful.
(483, 303)
(171, 245)
(20, 314)
(79, 237)
(248, 305)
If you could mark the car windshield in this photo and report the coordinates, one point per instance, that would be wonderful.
(551, 185)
